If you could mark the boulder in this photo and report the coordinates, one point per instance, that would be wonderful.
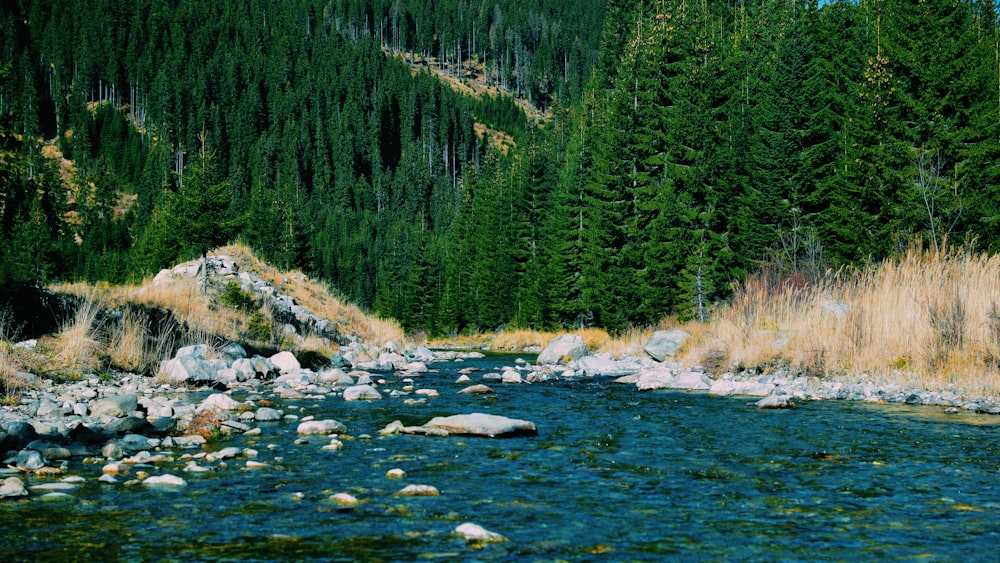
(361, 393)
(480, 424)
(196, 350)
(116, 406)
(775, 402)
(219, 401)
(267, 414)
(477, 389)
(665, 343)
(321, 428)
(666, 379)
(193, 369)
(563, 349)
(285, 362)
(29, 460)
(16, 435)
(602, 364)
(12, 487)
(166, 480)
(749, 388)
(418, 491)
(232, 352)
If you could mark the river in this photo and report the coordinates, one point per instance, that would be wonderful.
(613, 474)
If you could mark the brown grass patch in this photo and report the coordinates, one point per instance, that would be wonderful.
(923, 319)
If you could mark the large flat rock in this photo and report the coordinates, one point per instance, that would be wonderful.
(479, 424)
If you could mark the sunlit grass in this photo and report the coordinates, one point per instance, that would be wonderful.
(927, 319)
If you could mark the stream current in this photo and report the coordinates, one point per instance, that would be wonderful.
(614, 474)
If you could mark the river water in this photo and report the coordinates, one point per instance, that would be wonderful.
(614, 474)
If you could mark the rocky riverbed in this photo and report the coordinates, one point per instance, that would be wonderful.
(132, 430)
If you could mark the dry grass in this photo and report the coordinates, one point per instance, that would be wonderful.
(200, 317)
(76, 349)
(926, 319)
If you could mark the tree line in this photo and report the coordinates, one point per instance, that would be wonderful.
(687, 143)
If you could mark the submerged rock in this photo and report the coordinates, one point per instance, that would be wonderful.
(166, 480)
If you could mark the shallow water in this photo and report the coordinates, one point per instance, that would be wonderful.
(614, 474)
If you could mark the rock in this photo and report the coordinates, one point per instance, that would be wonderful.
(665, 343)
(394, 427)
(361, 393)
(321, 428)
(395, 473)
(267, 414)
(418, 491)
(185, 369)
(232, 352)
(563, 349)
(285, 362)
(29, 460)
(749, 388)
(224, 453)
(511, 376)
(775, 402)
(602, 364)
(345, 499)
(112, 451)
(665, 379)
(463, 379)
(479, 424)
(336, 377)
(16, 435)
(129, 425)
(165, 480)
(233, 426)
(219, 401)
(116, 407)
(12, 487)
(414, 368)
(477, 389)
(195, 350)
(476, 534)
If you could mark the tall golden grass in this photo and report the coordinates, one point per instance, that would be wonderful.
(128, 343)
(928, 319)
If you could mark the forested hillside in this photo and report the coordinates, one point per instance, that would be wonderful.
(688, 142)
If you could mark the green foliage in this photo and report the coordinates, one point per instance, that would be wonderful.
(232, 295)
(687, 141)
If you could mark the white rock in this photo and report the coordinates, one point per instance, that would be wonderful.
(361, 393)
(12, 487)
(345, 499)
(474, 533)
(395, 473)
(563, 349)
(750, 388)
(165, 480)
(418, 491)
(220, 401)
(321, 428)
(285, 362)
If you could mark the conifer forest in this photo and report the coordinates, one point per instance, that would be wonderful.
(470, 165)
